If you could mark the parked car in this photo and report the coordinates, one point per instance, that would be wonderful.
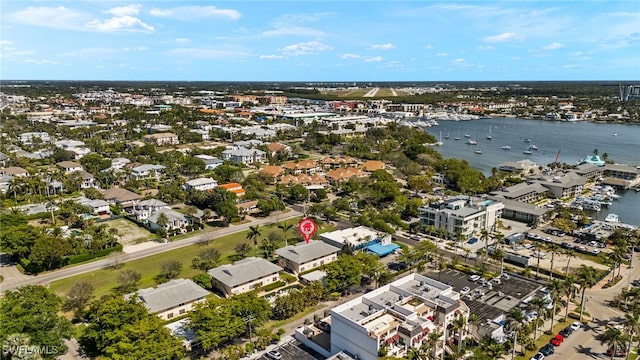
(547, 350)
(465, 290)
(473, 240)
(538, 356)
(274, 354)
(636, 283)
(576, 325)
(618, 352)
(557, 340)
(474, 278)
(595, 251)
(566, 332)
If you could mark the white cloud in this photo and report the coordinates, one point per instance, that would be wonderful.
(293, 30)
(387, 46)
(271, 57)
(442, 54)
(553, 46)
(504, 37)
(428, 47)
(488, 47)
(137, 48)
(373, 59)
(182, 40)
(89, 52)
(191, 12)
(288, 19)
(124, 10)
(349, 56)
(305, 48)
(120, 23)
(41, 62)
(51, 17)
(5, 42)
(205, 53)
(63, 18)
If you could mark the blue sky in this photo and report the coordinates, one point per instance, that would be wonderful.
(308, 40)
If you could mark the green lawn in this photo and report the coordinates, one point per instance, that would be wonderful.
(104, 280)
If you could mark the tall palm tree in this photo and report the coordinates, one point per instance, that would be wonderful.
(459, 325)
(586, 279)
(537, 305)
(570, 253)
(569, 291)
(615, 339)
(555, 293)
(254, 234)
(515, 322)
(285, 228)
(484, 236)
(631, 324)
(433, 339)
(553, 249)
(617, 256)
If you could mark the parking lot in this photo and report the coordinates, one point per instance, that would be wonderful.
(293, 350)
(489, 303)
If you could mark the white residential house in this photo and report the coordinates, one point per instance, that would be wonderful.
(145, 208)
(175, 220)
(123, 198)
(99, 207)
(30, 138)
(210, 162)
(70, 166)
(76, 147)
(203, 133)
(119, 163)
(241, 155)
(201, 184)
(147, 171)
(87, 179)
(171, 299)
(244, 275)
(306, 256)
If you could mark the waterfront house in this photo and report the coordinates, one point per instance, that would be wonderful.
(171, 299)
(244, 275)
(564, 186)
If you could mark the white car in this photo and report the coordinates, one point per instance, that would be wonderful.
(274, 354)
(576, 325)
(538, 356)
(465, 290)
(595, 251)
(474, 278)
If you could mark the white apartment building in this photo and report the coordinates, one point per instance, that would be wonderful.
(240, 155)
(171, 299)
(397, 316)
(462, 214)
(201, 184)
(244, 275)
(306, 256)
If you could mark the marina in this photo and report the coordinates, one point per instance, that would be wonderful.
(569, 142)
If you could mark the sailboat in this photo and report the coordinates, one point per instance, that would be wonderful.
(457, 136)
(447, 136)
(489, 136)
(439, 143)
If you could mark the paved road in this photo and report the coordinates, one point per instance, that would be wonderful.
(14, 282)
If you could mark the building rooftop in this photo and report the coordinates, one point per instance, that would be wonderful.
(243, 271)
(303, 252)
(171, 294)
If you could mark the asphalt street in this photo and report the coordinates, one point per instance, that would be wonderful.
(18, 280)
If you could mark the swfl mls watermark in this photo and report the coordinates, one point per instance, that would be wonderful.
(23, 350)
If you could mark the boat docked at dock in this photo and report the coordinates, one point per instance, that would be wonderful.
(612, 218)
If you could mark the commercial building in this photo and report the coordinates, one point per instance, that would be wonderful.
(394, 317)
(462, 215)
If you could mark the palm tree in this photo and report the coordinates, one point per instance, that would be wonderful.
(433, 339)
(285, 228)
(617, 256)
(631, 324)
(537, 305)
(586, 279)
(484, 235)
(556, 289)
(459, 325)
(615, 339)
(570, 253)
(253, 234)
(569, 291)
(554, 249)
(515, 321)
(162, 220)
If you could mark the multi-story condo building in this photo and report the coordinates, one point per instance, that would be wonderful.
(462, 215)
(396, 317)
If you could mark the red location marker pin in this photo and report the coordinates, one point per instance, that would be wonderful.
(307, 227)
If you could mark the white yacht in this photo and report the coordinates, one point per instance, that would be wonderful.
(472, 142)
(506, 147)
(533, 147)
(612, 218)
